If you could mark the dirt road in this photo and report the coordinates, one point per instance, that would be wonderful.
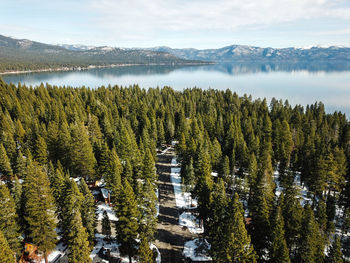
(170, 237)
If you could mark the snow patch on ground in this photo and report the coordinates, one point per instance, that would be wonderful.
(183, 199)
(165, 150)
(191, 222)
(153, 247)
(191, 250)
(157, 204)
(113, 246)
(175, 163)
(57, 253)
(105, 207)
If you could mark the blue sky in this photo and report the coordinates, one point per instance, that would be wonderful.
(179, 23)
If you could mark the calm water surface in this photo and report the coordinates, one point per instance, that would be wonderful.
(300, 84)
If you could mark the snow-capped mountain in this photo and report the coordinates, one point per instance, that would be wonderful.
(251, 53)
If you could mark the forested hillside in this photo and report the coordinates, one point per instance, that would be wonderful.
(23, 55)
(281, 194)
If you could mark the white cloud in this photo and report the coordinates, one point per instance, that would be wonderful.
(132, 17)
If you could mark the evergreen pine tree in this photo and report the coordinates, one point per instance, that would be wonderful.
(224, 171)
(189, 175)
(40, 151)
(83, 159)
(40, 210)
(20, 165)
(111, 170)
(127, 225)
(308, 240)
(293, 213)
(204, 184)
(279, 251)
(145, 253)
(8, 217)
(88, 209)
(148, 211)
(57, 180)
(78, 244)
(217, 225)
(6, 254)
(106, 226)
(239, 247)
(335, 255)
(71, 200)
(148, 168)
(5, 166)
(17, 196)
(260, 210)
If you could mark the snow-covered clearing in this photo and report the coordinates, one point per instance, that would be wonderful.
(183, 199)
(191, 222)
(113, 246)
(105, 207)
(197, 250)
(56, 254)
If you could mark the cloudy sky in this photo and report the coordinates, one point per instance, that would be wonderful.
(179, 23)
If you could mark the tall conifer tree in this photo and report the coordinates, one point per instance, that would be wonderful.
(6, 254)
(40, 210)
(78, 244)
(88, 210)
(127, 226)
(279, 250)
(8, 219)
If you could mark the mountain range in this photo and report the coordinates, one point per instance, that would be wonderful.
(23, 54)
(250, 53)
(245, 53)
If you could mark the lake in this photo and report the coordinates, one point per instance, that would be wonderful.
(300, 83)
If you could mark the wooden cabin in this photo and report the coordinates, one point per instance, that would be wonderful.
(30, 254)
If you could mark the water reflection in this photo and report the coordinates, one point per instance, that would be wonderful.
(299, 82)
(234, 68)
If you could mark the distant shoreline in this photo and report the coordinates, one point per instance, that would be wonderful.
(77, 68)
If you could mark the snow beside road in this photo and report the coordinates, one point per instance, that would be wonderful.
(191, 222)
(157, 204)
(114, 249)
(56, 254)
(104, 207)
(183, 199)
(191, 247)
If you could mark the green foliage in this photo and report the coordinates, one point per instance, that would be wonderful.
(145, 253)
(88, 209)
(111, 133)
(239, 246)
(310, 238)
(8, 219)
(148, 168)
(5, 166)
(110, 168)
(70, 201)
(217, 226)
(147, 200)
(279, 251)
(83, 159)
(6, 254)
(127, 225)
(335, 255)
(40, 151)
(78, 244)
(40, 209)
